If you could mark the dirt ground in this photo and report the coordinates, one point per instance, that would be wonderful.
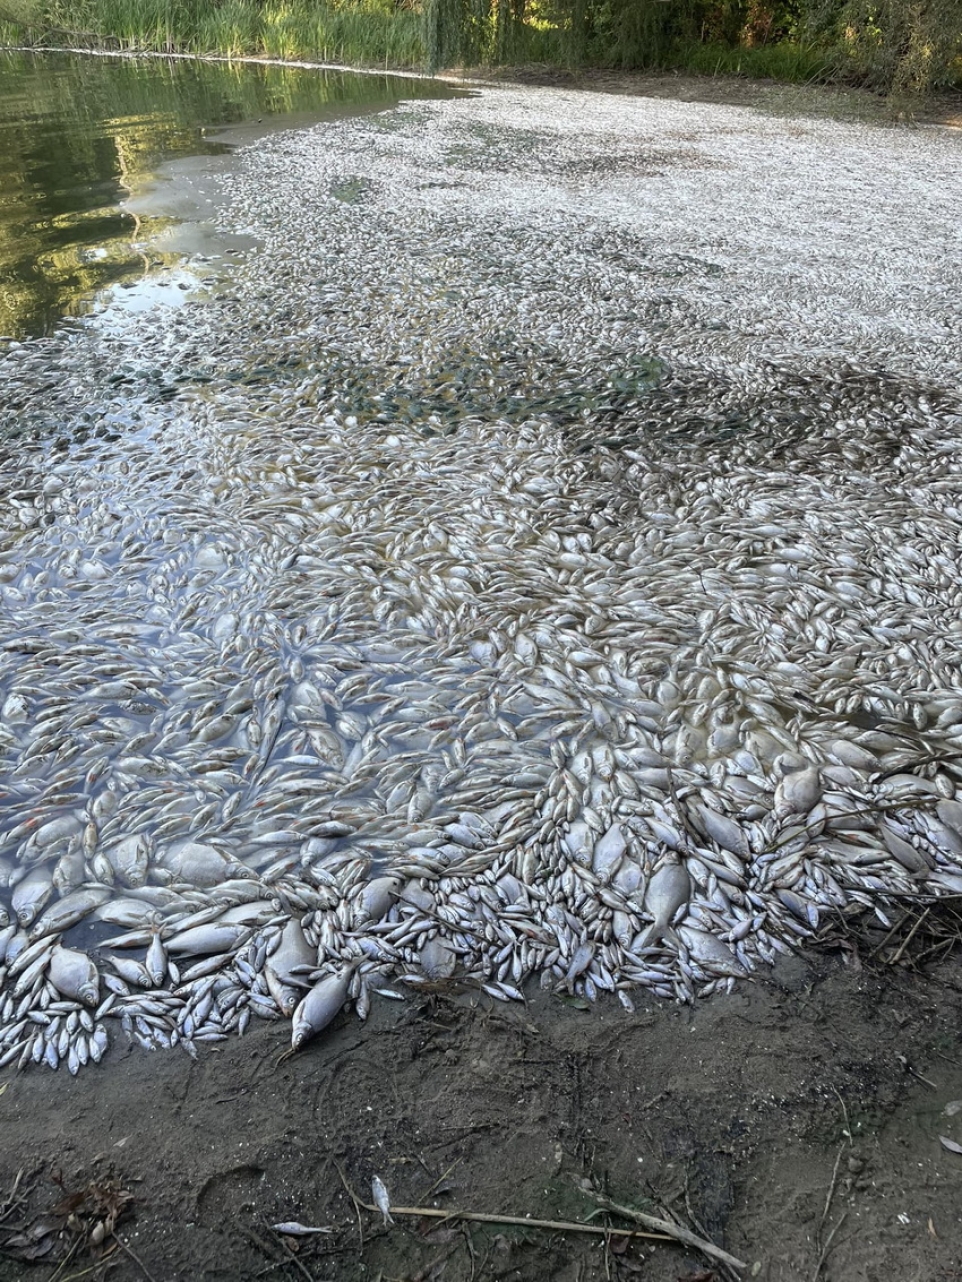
(835, 102)
(796, 1122)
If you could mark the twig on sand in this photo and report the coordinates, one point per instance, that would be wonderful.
(823, 1254)
(480, 1217)
(291, 1256)
(136, 1258)
(12, 1200)
(74, 1247)
(665, 1228)
(828, 1246)
(357, 1205)
(848, 1124)
(276, 1241)
(893, 961)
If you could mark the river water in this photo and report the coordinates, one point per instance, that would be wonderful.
(81, 138)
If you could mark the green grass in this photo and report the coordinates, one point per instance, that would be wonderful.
(363, 32)
(628, 34)
(794, 63)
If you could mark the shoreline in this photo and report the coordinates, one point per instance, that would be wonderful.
(851, 103)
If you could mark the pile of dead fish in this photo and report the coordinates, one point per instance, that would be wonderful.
(429, 631)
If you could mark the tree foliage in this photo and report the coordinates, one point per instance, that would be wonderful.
(900, 45)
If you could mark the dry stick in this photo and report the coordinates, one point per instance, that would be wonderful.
(848, 1124)
(66, 1259)
(292, 1257)
(136, 1258)
(942, 946)
(908, 938)
(480, 1217)
(357, 1205)
(676, 1231)
(831, 1188)
(828, 1245)
(84, 1272)
(11, 1201)
(901, 920)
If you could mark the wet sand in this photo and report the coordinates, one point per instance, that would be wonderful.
(738, 1117)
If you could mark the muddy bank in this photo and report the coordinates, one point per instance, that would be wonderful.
(740, 1117)
(832, 102)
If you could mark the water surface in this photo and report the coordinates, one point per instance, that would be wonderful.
(81, 135)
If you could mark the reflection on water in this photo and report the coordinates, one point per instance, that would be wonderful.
(79, 135)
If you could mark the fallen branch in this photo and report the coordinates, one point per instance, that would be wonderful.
(908, 939)
(663, 1227)
(136, 1258)
(828, 1245)
(481, 1217)
(828, 1206)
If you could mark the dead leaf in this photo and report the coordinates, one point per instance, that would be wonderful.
(950, 1144)
(35, 1243)
(932, 1228)
(576, 1003)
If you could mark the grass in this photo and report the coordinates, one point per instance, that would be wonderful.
(365, 32)
(794, 63)
(392, 33)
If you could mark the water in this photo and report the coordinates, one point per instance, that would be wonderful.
(80, 137)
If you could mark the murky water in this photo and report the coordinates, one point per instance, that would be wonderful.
(80, 137)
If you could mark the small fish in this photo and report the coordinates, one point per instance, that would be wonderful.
(319, 1007)
(382, 1200)
(291, 1228)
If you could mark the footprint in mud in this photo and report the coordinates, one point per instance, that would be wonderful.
(226, 1192)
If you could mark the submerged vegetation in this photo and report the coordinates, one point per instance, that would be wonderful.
(901, 46)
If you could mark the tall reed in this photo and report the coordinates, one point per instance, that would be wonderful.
(901, 46)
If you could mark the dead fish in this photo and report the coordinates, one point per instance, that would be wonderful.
(68, 911)
(291, 1228)
(711, 953)
(381, 1200)
(376, 898)
(74, 975)
(798, 792)
(129, 859)
(609, 852)
(719, 828)
(438, 959)
(321, 1004)
(211, 937)
(905, 853)
(282, 966)
(668, 891)
(202, 865)
(30, 894)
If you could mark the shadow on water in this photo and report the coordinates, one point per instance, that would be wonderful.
(80, 135)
